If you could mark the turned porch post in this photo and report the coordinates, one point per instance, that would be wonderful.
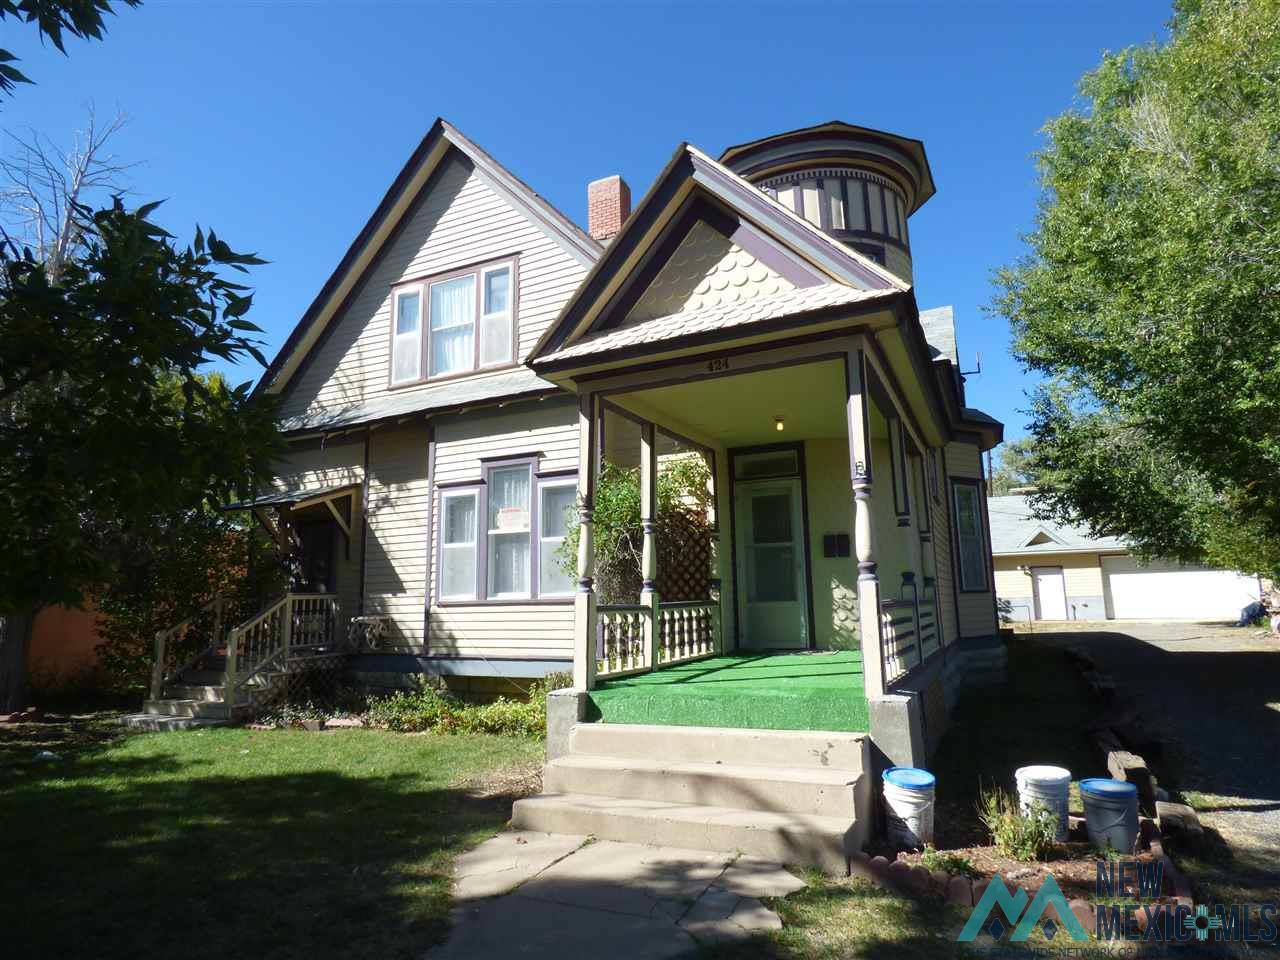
(584, 600)
(649, 552)
(859, 426)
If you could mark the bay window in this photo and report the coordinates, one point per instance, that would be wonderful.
(453, 324)
(515, 555)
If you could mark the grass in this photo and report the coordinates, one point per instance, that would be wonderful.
(229, 843)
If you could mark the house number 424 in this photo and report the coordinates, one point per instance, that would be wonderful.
(717, 365)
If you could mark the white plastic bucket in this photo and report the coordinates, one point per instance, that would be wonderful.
(908, 802)
(1051, 786)
(1111, 813)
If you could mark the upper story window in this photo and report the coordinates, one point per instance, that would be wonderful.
(843, 200)
(469, 324)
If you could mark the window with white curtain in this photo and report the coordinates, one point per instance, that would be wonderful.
(555, 513)
(453, 325)
(458, 553)
(495, 316)
(510, 511)
(515, 555)
(406, 342)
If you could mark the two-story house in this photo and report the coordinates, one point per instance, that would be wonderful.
(477, 363)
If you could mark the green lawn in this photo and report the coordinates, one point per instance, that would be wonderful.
(235, 843)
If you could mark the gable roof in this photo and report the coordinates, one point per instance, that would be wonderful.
(687, 326)
(430, 153)
(1014, 530)
(691, 172)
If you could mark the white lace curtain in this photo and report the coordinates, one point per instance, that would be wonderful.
(453, 314)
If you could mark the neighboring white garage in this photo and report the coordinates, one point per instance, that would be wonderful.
(1167, 591)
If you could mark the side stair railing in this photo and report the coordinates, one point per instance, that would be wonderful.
(168, 641)
(298, 626)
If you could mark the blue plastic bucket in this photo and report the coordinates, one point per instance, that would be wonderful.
(908, 802)
(1111, 813)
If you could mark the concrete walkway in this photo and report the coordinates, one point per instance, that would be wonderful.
(551, 895)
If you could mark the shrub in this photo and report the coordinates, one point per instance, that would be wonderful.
(1017, 835)
(429, 709)
(948, 862)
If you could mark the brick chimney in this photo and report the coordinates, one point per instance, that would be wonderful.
(608, 205)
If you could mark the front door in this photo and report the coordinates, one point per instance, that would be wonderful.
(1051, 593)
(773, 588)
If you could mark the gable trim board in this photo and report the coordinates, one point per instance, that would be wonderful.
(405, 191)
(690, 171)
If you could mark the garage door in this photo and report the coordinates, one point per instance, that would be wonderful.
(1167, 591)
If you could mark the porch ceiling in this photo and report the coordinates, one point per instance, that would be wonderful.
(740, 410)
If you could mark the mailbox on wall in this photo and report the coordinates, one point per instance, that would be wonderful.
(835, 545)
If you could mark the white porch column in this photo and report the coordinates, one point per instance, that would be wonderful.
(649, 551)
(584, 600)
(859, 427)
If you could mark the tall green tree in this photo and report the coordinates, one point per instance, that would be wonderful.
(1150, 299)
(54, 20)
(1015, 467)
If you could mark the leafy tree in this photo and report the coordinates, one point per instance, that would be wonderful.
(106, 424)
(1015, 468)
(1149, 297)
(80, 18)
(683, 502)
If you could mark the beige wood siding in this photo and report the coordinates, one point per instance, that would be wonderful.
(314, 466)
(1081, 572)
(396, 548)
(536, 630)
(462, 220)
(975, 611)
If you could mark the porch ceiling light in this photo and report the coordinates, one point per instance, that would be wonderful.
(779, 424)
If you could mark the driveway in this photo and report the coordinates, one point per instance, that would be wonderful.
(1211, 693)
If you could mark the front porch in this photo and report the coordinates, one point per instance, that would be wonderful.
(743, 689)
(819, 592)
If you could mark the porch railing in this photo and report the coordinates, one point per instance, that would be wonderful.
(166, 664)
(685, 630)
(620, 639)
(901, 650)
(298, 625)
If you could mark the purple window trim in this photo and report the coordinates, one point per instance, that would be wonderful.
(480, 491)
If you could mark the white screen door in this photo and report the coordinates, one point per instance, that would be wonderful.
(773, 598)
(1051, 593)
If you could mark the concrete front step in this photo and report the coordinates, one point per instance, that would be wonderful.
(202, 709)
(162, 724)
(767, 748)
(805, 790)
(793, 838)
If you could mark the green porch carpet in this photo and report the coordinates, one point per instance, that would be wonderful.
(759, 690)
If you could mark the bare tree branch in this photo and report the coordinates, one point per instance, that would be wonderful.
(43, 187)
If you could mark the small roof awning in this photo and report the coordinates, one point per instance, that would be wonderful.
(298, 498)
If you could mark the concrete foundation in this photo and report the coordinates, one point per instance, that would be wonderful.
(565, 708)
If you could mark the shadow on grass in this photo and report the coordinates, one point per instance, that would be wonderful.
(164, 849)
(1040, 715)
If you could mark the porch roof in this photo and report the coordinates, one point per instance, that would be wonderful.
(520, 382)
(294, 496)
(790, 303)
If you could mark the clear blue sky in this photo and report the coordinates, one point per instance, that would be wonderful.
(281, 124)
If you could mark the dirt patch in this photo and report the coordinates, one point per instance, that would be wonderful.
(506, 783)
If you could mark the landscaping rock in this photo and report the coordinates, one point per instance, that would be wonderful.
(343, 723)
(314, 726)
(1086, 914)
(1178, 818)
(1124, 765)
